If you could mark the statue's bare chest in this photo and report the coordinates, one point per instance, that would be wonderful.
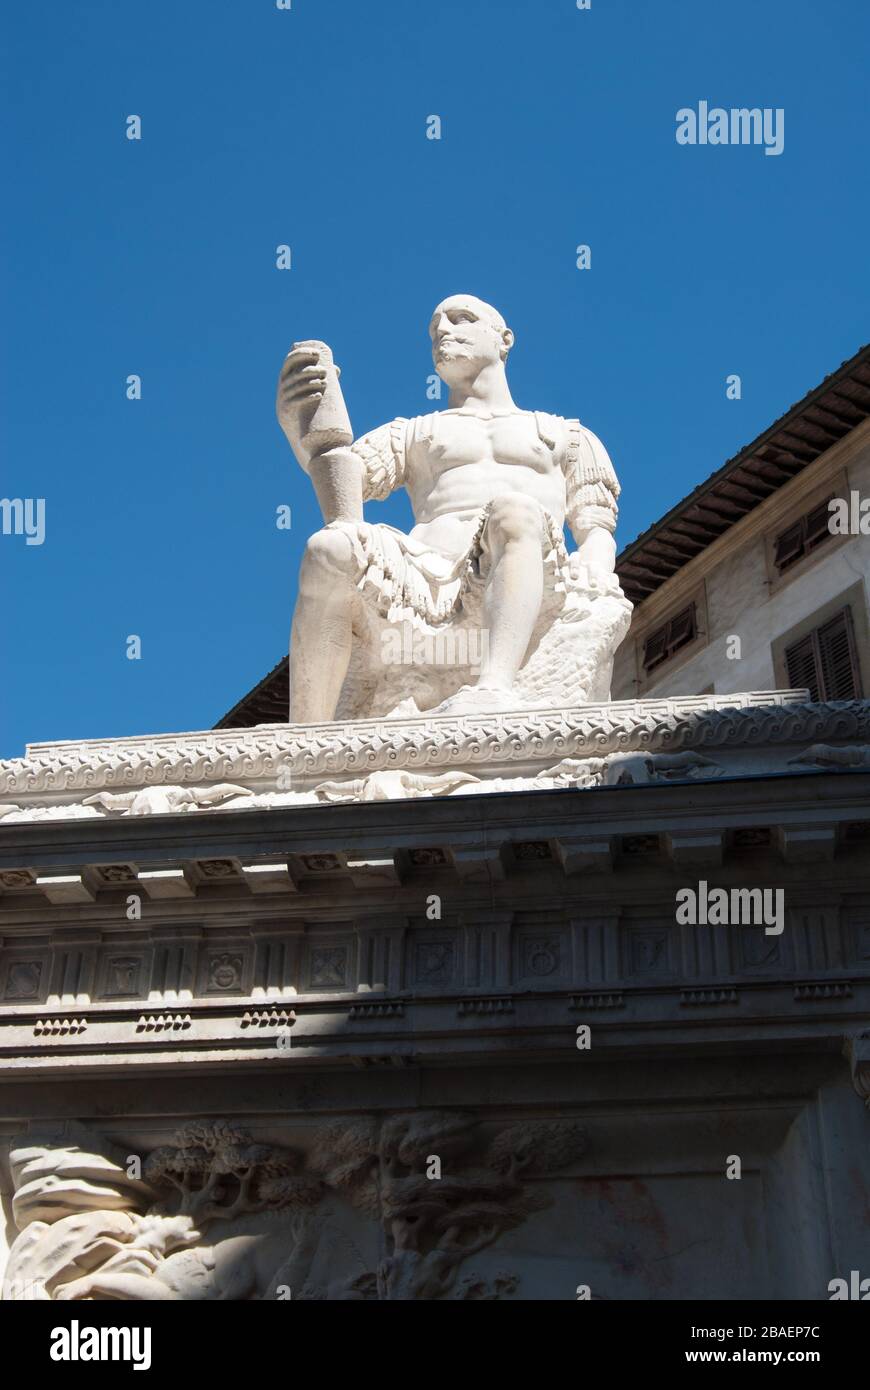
(449, 440)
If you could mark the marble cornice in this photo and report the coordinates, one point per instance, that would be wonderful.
(529, 740)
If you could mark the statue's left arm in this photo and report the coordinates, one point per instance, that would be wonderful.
(592, 493)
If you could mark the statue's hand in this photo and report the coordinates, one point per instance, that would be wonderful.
(595, 578)
(300, 386)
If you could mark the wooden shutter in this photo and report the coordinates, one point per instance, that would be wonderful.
(789, 546)
(838, 658)
(826, 661)
(682, 628)
(802, 666)
(803, 536)
(669, 638)
(655, 648)
(817, 526)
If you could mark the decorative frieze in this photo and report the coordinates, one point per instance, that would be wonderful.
(465, 1007)
(823, 990)
(651, 741)
(59, 1027)
(163, 1022)
(381, 1011)
(224, 973)
(434, 961)
(541, 956)
(328, 968)
(267, 1018)
(123, 975)
(696, 997)
(12, 880)
(597, 1001)
(24, 979)
(483, 950)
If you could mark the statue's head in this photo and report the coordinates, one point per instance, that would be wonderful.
(467, 335)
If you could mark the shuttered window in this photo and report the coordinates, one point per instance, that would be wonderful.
(803, 536)
(825, 662)
(661, 645)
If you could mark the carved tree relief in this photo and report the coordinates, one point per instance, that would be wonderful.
(217, 1215)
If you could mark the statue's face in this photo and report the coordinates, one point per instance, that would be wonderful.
(467, 335)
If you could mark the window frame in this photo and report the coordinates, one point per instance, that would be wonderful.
(815, 646)
(692, 594)
(855, 599)
(672, 647)
(798, 515)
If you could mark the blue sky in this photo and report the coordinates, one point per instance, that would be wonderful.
(308, 127)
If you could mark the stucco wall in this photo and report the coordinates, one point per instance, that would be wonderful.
(733, 576)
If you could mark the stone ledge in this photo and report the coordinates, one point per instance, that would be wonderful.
(623, 842)
(378, 760)
(367, 744)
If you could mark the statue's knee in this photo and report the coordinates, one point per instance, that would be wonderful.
(326, 551)
(515, 519)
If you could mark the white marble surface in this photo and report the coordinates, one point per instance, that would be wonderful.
(439, 755)
(480, 608)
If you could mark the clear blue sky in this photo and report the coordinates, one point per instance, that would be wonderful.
(307, 127)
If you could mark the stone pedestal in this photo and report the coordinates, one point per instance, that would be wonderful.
(460, 1049)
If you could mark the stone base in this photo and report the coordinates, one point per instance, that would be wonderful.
(313, 1003)
(469, 1052)
(688, 738)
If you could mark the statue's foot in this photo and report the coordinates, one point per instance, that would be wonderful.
(478, 699)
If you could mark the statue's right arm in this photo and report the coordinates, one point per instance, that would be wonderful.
(345, 477)
(366, 471)
(334, 473)
(300, 386)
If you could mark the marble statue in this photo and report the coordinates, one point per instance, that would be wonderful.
(479, 609)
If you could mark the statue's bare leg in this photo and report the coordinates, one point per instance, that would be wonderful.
(320, 639)
(511, 604)
(515, 588)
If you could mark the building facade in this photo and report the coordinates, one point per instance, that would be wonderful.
(556, 1005)
(754, 583)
